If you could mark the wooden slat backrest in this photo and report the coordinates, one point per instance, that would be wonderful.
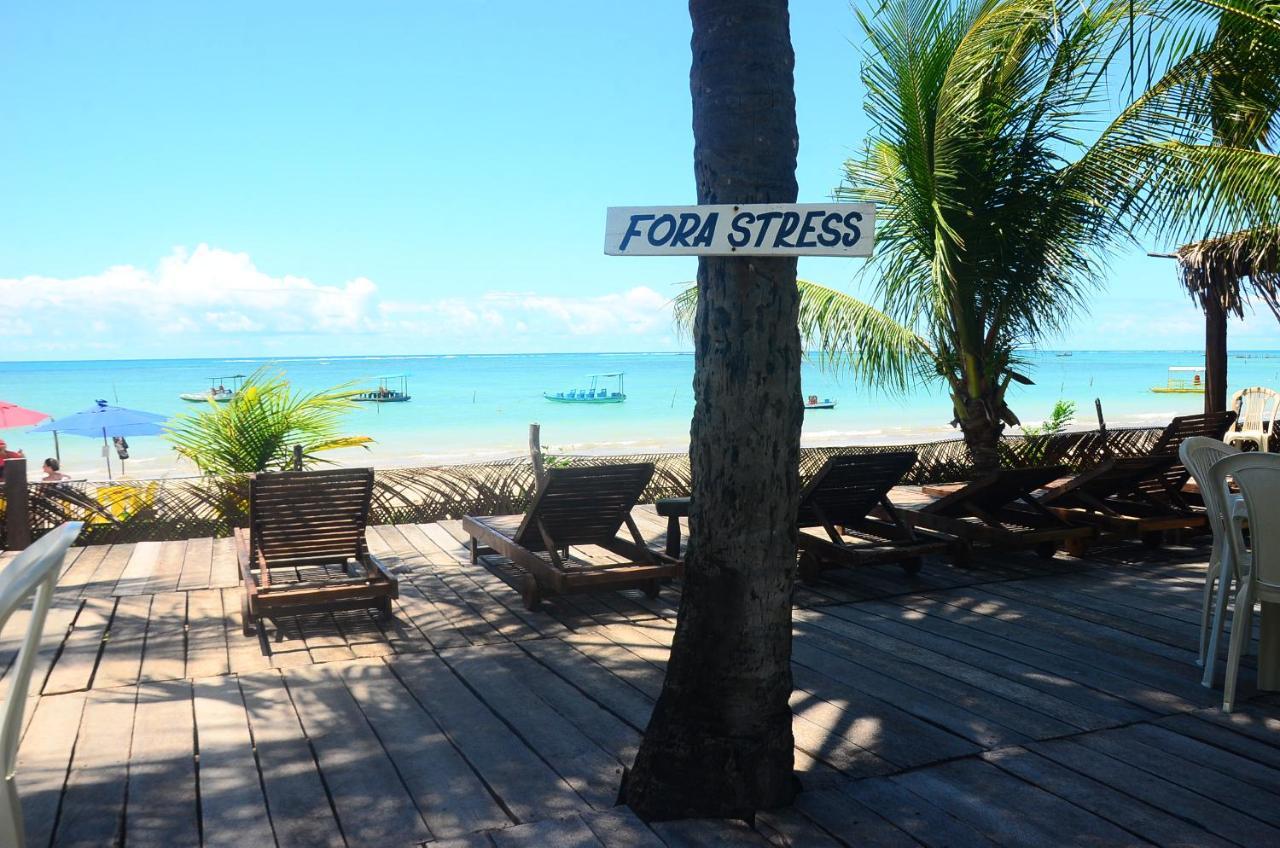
(583, 506)
(849, 486)
(1213, 425)
(996, 491)
(1115, 477)
(310, 515)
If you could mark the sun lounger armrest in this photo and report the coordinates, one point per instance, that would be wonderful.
(373, 564)
(242, 554)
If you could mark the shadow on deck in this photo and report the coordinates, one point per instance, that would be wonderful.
(1017, 702)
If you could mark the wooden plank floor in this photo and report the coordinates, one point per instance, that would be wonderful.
(1016, 702)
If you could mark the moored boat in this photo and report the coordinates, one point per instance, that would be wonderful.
(599, 392)
(218, 391)
(1183, 380)
(812, 402)
(392, 388)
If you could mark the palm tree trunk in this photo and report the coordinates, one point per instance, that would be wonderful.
(981, 429)
(719, 742)
(1215, 354)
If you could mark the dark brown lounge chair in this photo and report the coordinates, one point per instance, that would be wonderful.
(1000, 511)
(1168, 485)
(1115, 497)
(1140, 497)
(840, 499)
(305, 550)
(576, 507)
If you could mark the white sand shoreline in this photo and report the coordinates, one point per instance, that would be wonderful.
(387, 456)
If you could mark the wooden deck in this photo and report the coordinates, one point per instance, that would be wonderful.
(1018, 702)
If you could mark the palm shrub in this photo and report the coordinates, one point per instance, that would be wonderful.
(1037, 438)
(257, 429)
(1057, 422)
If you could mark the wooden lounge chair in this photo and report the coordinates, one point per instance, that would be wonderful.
(1167, 486)
(1119, 499)
(305, 550)
(576, 507)
(1136, 497)
(839, 500)
(1000, 511)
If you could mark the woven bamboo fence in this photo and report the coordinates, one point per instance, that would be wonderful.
(192, 507)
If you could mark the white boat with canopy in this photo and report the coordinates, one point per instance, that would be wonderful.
(218, 391)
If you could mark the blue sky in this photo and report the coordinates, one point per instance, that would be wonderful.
(395, 177)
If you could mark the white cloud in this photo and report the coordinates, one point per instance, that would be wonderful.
(638, 311)
(195, 298)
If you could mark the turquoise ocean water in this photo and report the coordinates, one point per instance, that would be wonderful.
(468, 408)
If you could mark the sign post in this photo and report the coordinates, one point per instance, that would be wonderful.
(748, 229)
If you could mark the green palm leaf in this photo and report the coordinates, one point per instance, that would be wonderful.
(258, 428)
(849, 335)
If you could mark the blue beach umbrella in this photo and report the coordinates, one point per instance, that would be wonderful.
(106, 421)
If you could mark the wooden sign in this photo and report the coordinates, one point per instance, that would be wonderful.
(760, 229)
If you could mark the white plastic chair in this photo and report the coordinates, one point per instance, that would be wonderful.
(1198, 454)
(34, 570)
(1257, 410)
(1257, 565)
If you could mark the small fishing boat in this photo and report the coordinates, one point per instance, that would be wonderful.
(393, 388)
(1183, 380)
(600, 391)
(218, 391)
(812, 402)
(1063, 353)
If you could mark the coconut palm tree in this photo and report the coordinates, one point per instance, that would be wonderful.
(719, 741)
(258, 428)
(1001, 191)
(1220, 272)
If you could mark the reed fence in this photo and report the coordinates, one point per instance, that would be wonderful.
(191, 507)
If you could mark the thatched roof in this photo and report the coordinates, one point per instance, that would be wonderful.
(1229, 268)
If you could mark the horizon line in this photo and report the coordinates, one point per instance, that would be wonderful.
(312, 357)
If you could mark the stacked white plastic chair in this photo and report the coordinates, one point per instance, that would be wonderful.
(1257, 476)
(1198, 455)
(1258, 411)
(34, 570)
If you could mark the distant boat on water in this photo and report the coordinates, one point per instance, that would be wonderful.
(392, 388)
(1182, 380)
(599, 392)
(1064, 353)
(218, 391)
(812, 402)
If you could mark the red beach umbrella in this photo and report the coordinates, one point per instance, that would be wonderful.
(12, 415)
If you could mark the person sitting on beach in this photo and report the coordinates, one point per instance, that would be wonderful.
(53, 472)
(6, 454)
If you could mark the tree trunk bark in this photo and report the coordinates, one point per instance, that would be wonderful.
(981, 432)
(719, 742)
(1215, 355)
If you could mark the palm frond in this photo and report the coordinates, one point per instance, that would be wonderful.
(847, 335)
(854, 336)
